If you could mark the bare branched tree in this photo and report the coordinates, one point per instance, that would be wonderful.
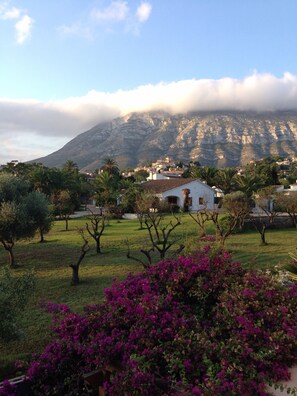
(160, 238)
(201, 217)
(83, 251)
(96, 228)
(265, 212)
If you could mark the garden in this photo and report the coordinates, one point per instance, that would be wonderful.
(207, 322)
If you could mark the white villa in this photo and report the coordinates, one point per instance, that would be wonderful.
(188, 194)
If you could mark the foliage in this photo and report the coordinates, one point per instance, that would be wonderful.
(237, 206)
(63, 206)
(16, 220)
(205, 173)
(287, 203)
(291, 267)
(40, 211)
(14, 294)
(265, 169)
(248, 183)
(225, 179)
(265, 212)
(197, 325)
(105, 186)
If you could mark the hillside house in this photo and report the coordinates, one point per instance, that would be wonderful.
(188, 194)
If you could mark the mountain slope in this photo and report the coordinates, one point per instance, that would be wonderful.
(213, 138)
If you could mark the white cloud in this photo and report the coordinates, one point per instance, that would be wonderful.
(76, 29)
(116, 11)
(143, 12)
(24, 22)
(120, 12)
(12, 13)
(23, 29)
(59, 121)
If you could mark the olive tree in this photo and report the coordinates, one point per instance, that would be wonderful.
(265, 212)
(64, 206)
(16, 221)
(14, 294)
(287, 203)
(40, 211)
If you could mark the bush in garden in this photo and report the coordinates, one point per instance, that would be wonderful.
(14, 294)
(198, 325)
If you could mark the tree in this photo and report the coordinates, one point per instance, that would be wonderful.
(106, 190)
(110, 166)
(143, 203)
(39, 208)
(70, 166)
(141, 175)
(248, 184)
(63, 206)
(96, 228)
(237, 207)
(265, 212)
(225, 179)
(83, 251)
(16, 221)
(14, 294)
(287, 203)
(160, 237)
(205, 173)
(201, 217)
(41, 179)
(265, 169)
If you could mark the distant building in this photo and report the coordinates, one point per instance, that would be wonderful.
(188, 194)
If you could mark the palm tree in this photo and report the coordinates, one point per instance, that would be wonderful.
(248, 184)
(70, 166)
(225, 179)
(205, 173)
(110, 166)
(105, 189)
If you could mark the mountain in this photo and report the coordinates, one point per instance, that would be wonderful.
(213, 138)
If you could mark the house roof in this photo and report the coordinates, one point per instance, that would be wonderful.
(162, 185)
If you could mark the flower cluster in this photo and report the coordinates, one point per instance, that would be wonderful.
(198, 325)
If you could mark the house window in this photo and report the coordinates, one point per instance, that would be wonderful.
(201, 201)
(172, 200)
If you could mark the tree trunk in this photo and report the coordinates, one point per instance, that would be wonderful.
(41, 235)
(8, 246)
(263, 236)
(75, 267)
(66, 220)
(11, 258)
(75, 277)
(98, 247)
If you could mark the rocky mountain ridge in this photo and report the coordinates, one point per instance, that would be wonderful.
(213, 138)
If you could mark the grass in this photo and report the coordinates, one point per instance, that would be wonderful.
(51, 262)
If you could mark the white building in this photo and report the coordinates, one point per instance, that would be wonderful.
(188, 194)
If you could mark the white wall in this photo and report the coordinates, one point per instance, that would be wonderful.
(197, 190)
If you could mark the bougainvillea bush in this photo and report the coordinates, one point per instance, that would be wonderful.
(198, 325)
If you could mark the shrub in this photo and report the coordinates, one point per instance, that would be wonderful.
(14, 294)
(197, 325)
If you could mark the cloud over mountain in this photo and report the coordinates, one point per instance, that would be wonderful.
(66, 118)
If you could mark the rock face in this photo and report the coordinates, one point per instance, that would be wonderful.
(212, 138)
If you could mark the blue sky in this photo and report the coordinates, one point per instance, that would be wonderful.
(68, 64)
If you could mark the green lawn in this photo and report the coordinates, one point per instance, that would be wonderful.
(51, 262)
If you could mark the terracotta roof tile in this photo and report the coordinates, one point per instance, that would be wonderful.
(160, 186)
